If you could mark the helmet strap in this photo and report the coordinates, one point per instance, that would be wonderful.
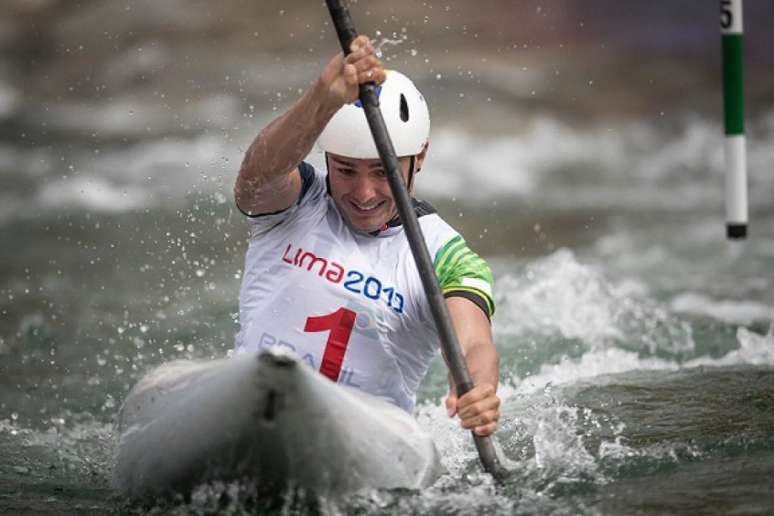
(410, 181)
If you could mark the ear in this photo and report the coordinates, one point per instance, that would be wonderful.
(421, 157)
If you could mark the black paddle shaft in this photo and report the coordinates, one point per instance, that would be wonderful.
(449, 343)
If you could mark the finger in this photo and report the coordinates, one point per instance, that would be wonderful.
(360, 51)
(361, 42)
(479, 407)
(484, 419)
(366, 63)
(485, 430)
(355, 56)
(481, 391)
(358, 42)
(349, 72)
(370, 76)
(477, 394)
(451, 405)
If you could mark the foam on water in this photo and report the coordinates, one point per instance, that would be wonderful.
(631, 164)
(129, 116)
(693, 270)
(167, 171)
(147, 174)
(9, 99)
(557, 295)
(90, 194)
(754, 349)
(726, 310)
(548, 164)
(82, 447)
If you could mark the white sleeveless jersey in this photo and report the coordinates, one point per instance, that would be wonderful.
(348, 303)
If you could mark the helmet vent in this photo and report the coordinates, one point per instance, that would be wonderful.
(404, 111)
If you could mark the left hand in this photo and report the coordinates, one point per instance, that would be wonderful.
(478, 409)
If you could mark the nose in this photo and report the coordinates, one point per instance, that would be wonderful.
(364, 189)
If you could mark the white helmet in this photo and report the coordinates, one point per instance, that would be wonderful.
(405, 115)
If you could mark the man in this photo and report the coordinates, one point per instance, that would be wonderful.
(329, 273)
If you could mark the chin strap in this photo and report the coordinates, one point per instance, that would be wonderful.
(411, 173)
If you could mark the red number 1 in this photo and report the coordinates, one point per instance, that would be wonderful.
(340, 324)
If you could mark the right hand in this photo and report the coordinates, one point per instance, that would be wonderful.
(342, 75)
(478, 409)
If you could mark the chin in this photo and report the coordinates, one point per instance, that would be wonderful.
(367, 224)
(368, 228)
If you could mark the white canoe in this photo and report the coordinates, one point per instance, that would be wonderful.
(269, 418)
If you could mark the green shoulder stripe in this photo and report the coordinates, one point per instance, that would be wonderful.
(459, 269)
(446, 254)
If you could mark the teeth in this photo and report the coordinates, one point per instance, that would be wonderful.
(365, 208)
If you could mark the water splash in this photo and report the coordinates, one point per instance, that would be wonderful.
(558, 295)
(383, 43)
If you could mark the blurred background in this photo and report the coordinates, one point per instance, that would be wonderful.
(576, 145)
(116, 96)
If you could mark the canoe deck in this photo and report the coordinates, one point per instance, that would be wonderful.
(269, 418)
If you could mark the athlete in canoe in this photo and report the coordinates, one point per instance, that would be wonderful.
(329, 273)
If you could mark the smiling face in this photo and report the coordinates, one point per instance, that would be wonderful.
(360, 189)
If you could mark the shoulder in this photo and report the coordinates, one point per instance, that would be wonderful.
(313, 183)
(435, 230)
(460, 270)
(310, 199)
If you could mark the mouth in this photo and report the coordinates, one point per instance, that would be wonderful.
(366, 209)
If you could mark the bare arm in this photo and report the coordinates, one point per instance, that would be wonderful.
(478, 409)
(268, 179)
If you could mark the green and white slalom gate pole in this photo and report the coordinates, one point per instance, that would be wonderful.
(733, 107)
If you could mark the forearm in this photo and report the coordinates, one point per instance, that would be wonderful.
(268, 179)
(478, 409)
(264, 181)
(280, 146)
(483, 363)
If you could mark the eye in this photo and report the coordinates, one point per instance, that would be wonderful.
(346, 172)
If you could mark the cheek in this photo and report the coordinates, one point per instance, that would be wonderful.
(339, 188)
(385, 194)
(384, 190)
